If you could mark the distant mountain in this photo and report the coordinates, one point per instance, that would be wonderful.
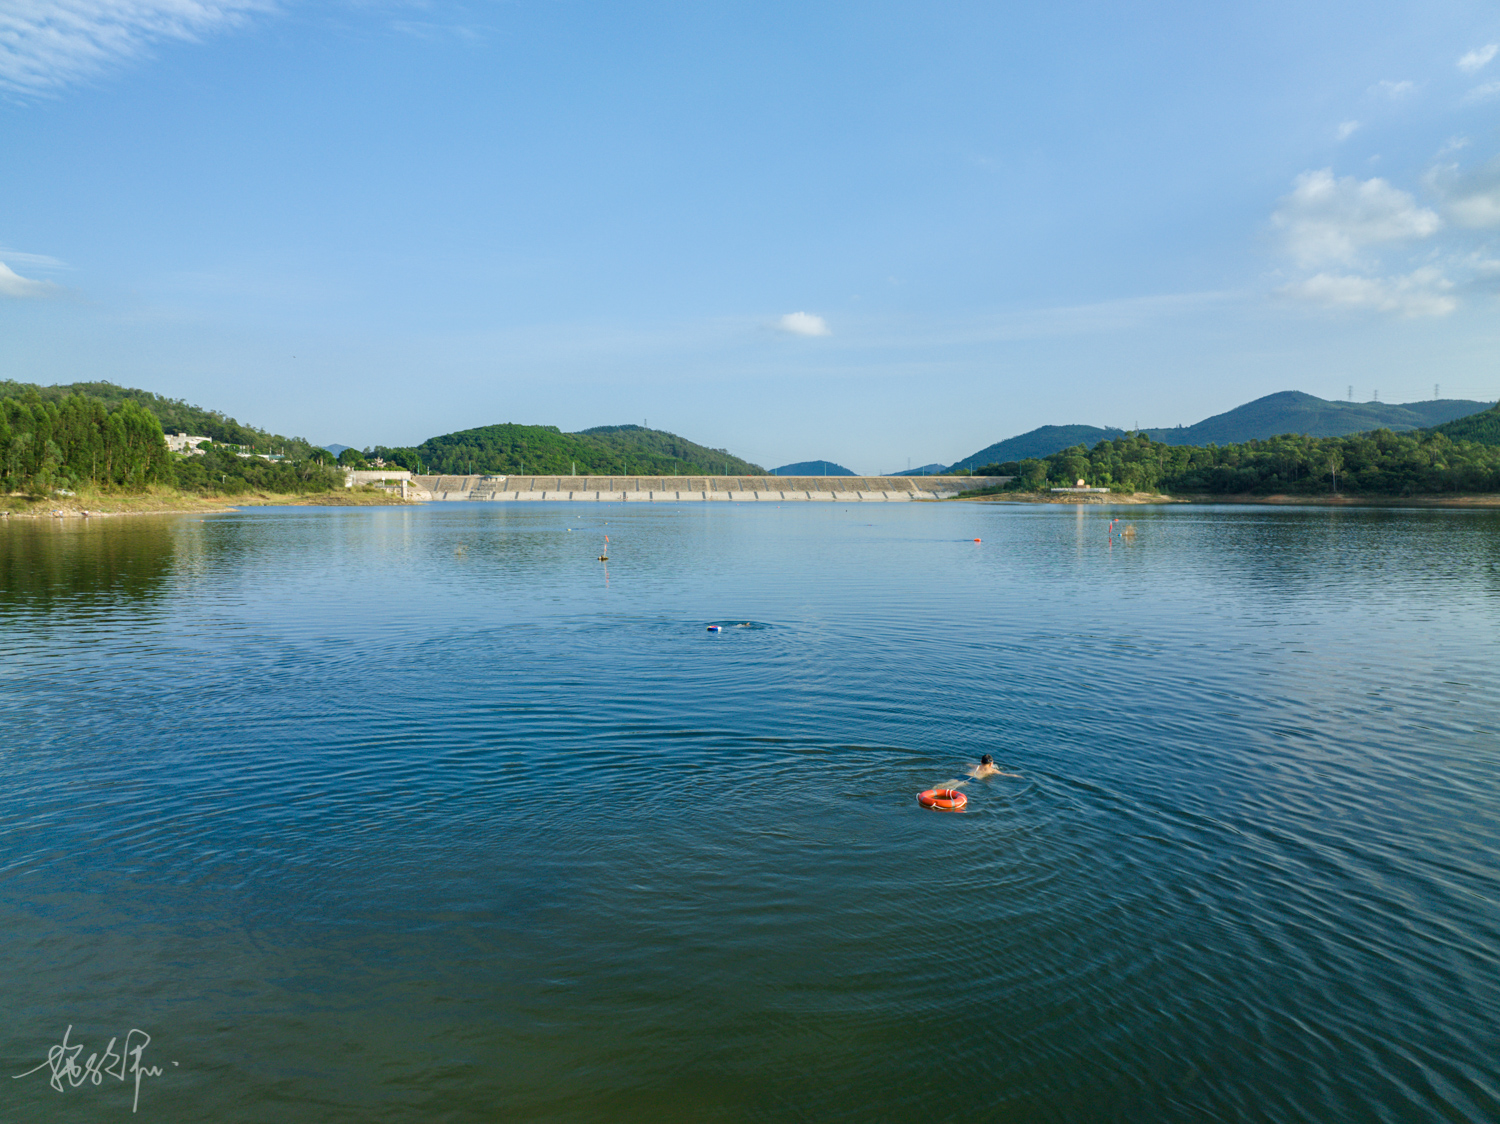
(337, 449)
(925, 470)
(1483, 428)
(544, 450)
(812, 468)
(1291, 411)
(1041, 442)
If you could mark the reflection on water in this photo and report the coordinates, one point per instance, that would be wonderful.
(408, 814)
(66, 562)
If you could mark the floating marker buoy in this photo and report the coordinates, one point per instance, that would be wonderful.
(715, 628)
(943, 799)
(976, 540)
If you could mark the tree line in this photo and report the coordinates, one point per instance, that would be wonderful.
(1375, 463)
(175, 415)
(77, 440)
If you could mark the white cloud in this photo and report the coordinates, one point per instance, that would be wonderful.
(1478, 59)
(1479, 209)
(12, 284)
(1346, 129)
(47, 44)
(1471, 199)
(1385, 88)
(1483, 93)
(1424, 292)
(1329, 220)
(803, 324)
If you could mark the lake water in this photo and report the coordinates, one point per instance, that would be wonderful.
(425, 814)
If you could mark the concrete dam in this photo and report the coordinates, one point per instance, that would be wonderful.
(684, 489)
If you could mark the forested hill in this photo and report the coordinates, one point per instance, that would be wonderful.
(609, 450)
(174, 414)
(812, 468)
(1483, 428)
(76, 441)
(1040, 442)
(1291, 411)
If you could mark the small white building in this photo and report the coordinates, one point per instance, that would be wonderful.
(185, 443)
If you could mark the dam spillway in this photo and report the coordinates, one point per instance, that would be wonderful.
(701, 489)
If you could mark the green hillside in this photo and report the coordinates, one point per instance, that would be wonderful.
(175, 415)
(1041, 442)
(1482, 428)
(71, 441)
(812, 468)
(608, 450)
(1291, 411)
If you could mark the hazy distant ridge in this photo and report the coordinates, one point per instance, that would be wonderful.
(1287, 411)
(1291, 411)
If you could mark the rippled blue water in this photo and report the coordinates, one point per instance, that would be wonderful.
(427, 814)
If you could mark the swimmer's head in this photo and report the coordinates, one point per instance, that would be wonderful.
(986, 760)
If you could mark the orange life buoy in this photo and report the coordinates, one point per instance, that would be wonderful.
(943, 799)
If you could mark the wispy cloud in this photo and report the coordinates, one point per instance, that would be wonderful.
(803, 324)
(1326, 219)
(1482, 92)
(12, 284)
(1347, 129)
(1424, 292)
(46, 45)
(1479, 58)
(436, 32)
(17, 257)
(1386, 88)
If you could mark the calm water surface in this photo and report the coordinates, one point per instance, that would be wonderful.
(422, 814)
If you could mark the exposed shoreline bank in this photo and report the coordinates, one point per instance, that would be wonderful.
(163, 502)
(1275, 500)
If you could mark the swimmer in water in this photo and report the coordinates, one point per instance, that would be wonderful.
(988, 768)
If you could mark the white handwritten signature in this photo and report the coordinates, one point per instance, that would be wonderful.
(63, 1062)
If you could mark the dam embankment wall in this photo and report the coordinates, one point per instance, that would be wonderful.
(702, 489)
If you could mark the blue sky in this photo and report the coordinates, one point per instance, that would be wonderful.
(863, 232)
